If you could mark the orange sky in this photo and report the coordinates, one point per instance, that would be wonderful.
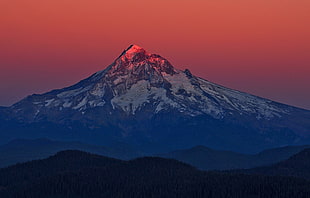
(257, 46)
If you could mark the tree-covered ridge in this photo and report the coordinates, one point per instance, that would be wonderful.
(78, 174)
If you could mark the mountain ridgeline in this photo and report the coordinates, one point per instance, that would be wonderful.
(22, 150)
(143, 101)
(297, 165)
(209, 159)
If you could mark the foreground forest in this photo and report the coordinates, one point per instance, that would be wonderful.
(79, 174)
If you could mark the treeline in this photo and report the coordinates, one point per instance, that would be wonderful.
(75, 174)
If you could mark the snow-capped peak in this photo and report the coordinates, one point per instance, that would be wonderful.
(133, 53)
(142, 99)
(137, 62)
(133, 50)
(140, 81)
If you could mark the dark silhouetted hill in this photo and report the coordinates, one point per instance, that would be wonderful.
(298, 166)
(76, 174)
(22, 150)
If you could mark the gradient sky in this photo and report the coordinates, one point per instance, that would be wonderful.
(258, 46)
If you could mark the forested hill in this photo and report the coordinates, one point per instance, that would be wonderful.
(76, 174)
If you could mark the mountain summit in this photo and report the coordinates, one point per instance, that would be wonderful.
(136, 56)
(132, 51)
(142, 100)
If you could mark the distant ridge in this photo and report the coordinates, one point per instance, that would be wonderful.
(209, 159)
(297, 165)
(22, 150)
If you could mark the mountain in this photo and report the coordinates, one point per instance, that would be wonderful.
(142, 100)
(78, 174)
(22, 150)
(298, 166)
(206, 158)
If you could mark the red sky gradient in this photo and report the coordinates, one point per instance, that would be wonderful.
(258, 46)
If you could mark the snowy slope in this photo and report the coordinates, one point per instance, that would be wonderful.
(138, 78)
(142, 97)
